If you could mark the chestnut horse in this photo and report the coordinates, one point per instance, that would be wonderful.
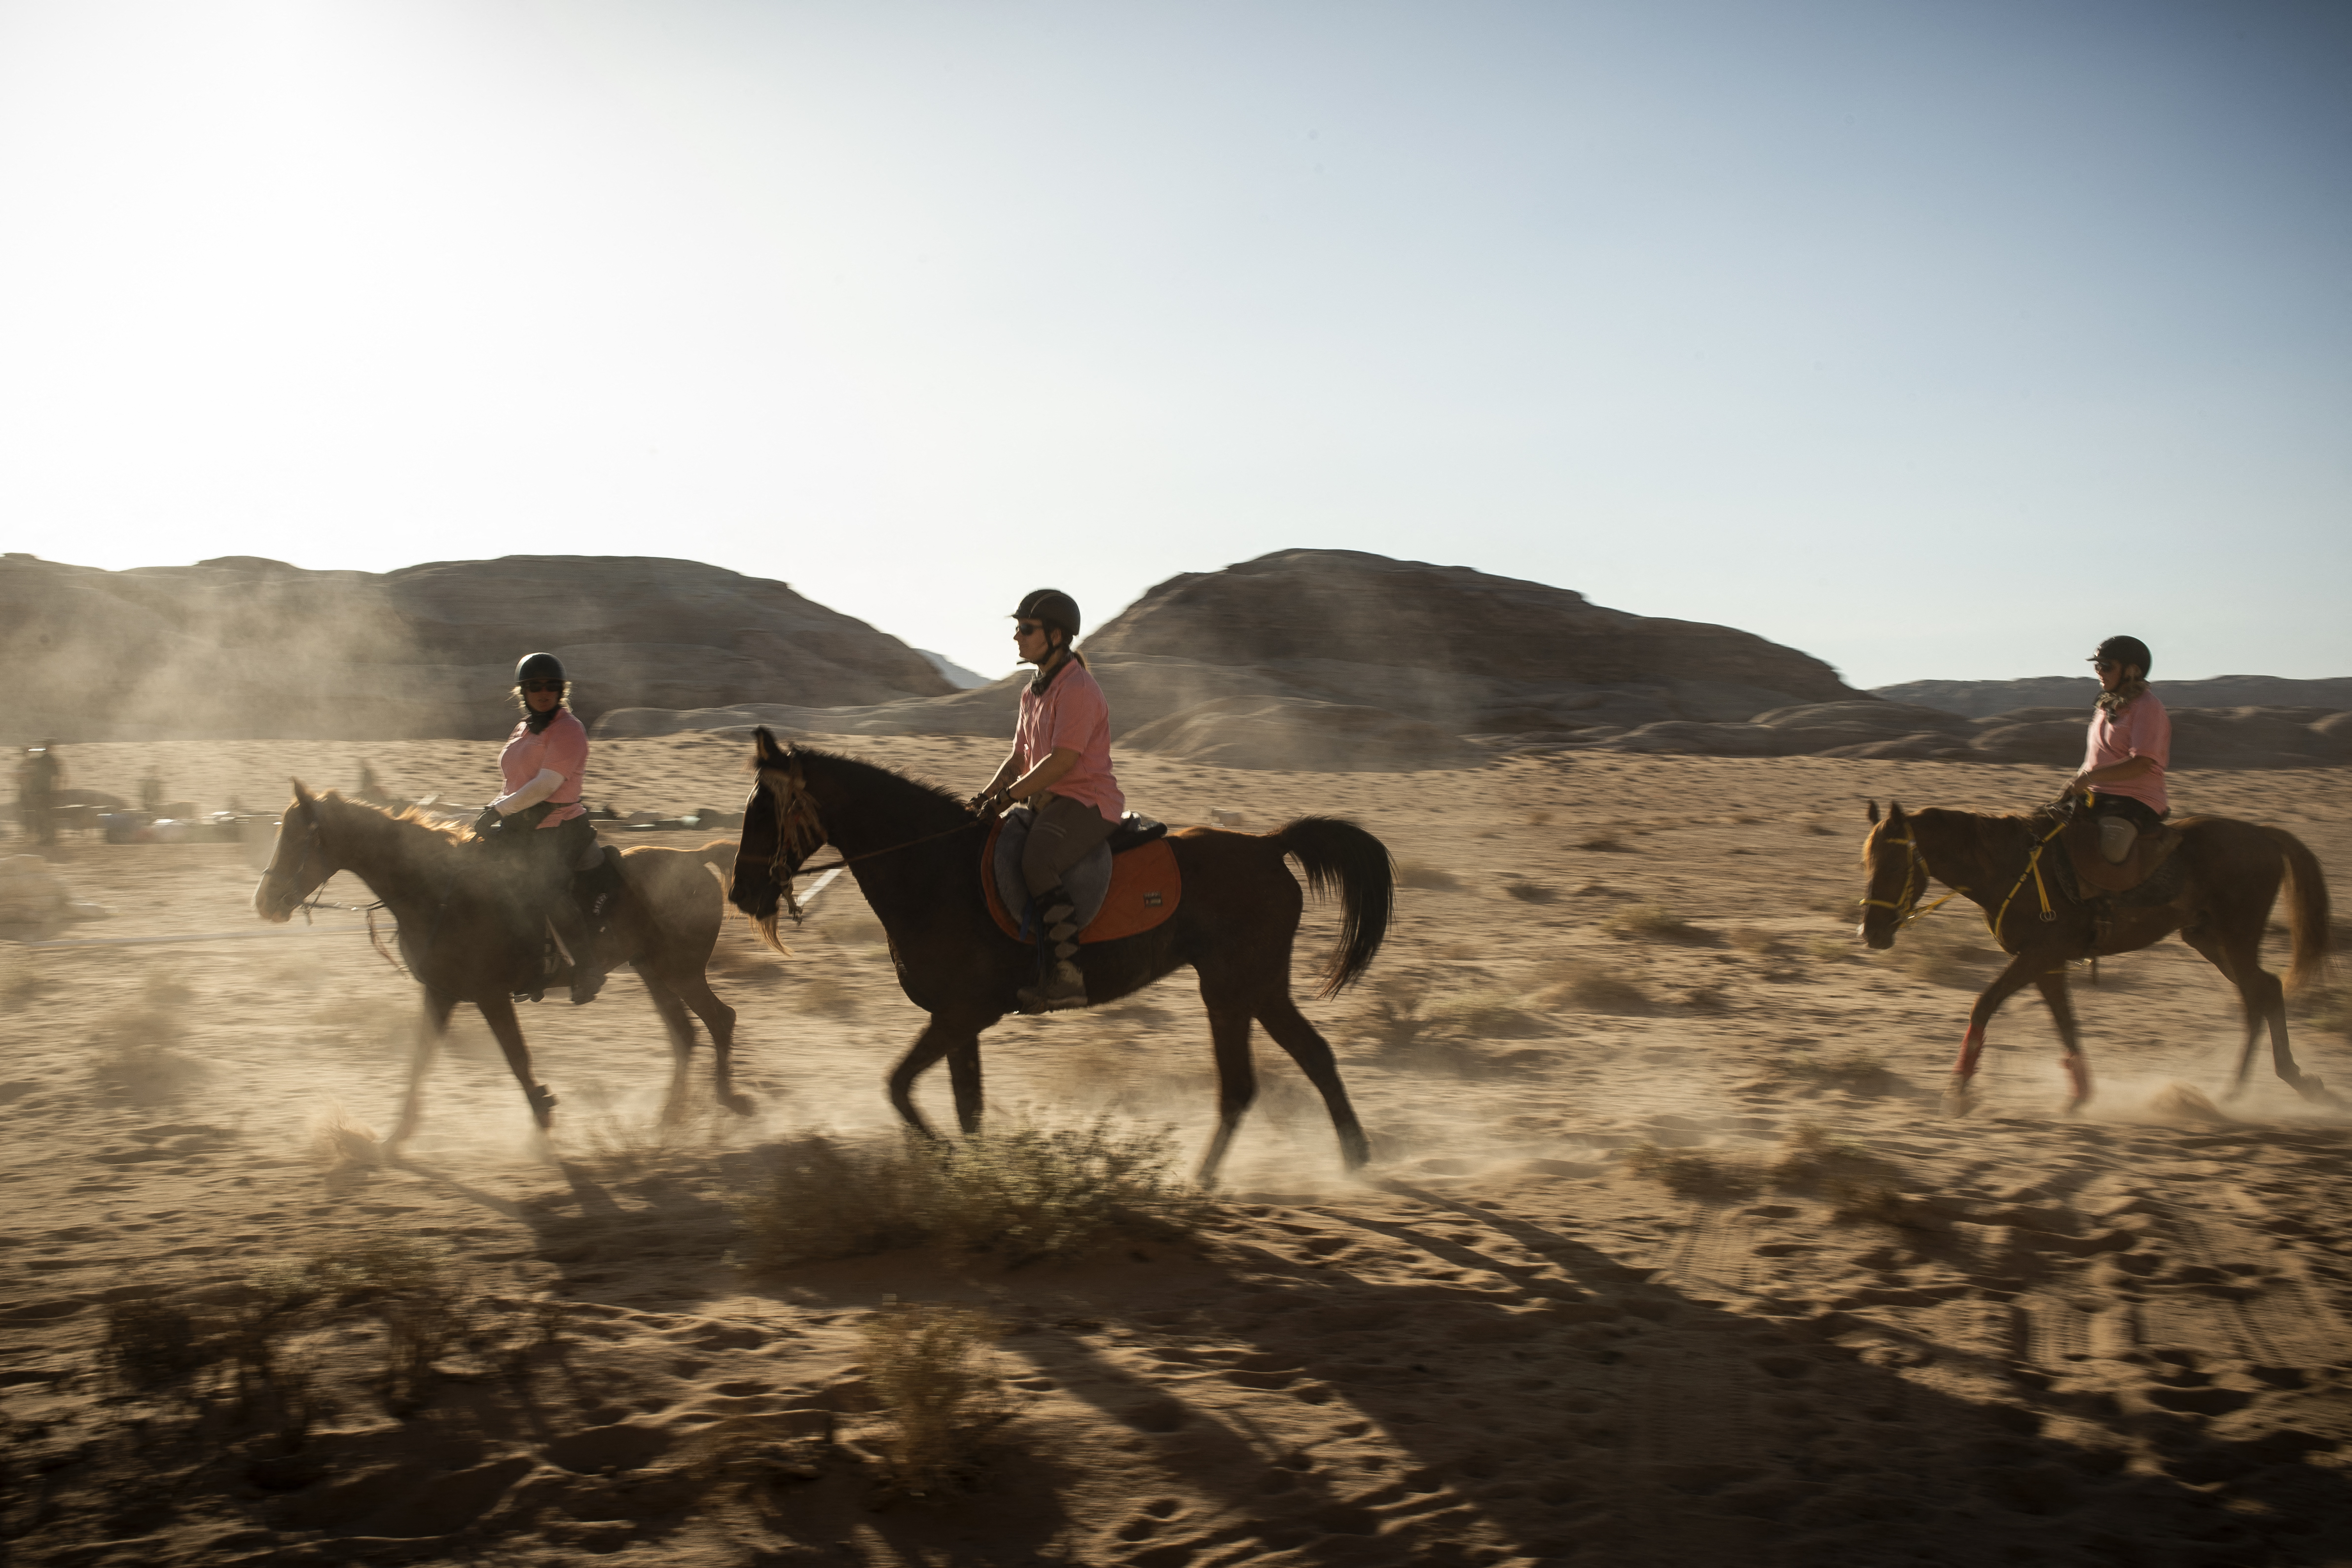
(458, 923)
(2230, 873)
(916, 853)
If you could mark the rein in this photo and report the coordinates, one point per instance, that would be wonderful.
(798, 832)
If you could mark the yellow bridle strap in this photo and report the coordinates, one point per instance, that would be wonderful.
(2033, 870)
(1908, 909)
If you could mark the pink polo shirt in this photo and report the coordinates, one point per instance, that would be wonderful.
(1071, 713)
(563, 746)
(2141, 729)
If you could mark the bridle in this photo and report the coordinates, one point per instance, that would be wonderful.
(1905, 905)
(294, 876)
(799, 834)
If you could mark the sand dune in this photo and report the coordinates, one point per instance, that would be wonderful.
(1667, 1254)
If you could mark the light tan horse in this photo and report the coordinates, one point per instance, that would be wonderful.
(459, 916)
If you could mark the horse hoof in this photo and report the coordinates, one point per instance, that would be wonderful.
(1958, 1101)
(542, 1106)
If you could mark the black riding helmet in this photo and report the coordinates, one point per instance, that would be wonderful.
(539, 667)
(2125, 651)
(1053, 607)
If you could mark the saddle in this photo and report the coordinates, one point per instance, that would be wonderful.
(1130, 883)
(2096, 874)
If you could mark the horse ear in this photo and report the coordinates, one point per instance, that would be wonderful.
(769, 753)
(302, 795)
(1894, 811)
(1874, 814)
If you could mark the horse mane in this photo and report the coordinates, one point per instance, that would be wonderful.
(409, 828)
(876, 773)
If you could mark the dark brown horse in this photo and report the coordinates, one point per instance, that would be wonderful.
(2228, 874)
(916, 853)
(454, 901)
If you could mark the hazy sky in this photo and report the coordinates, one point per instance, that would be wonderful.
(1937, 340)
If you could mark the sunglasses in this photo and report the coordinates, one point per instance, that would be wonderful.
(543, 686)
(2104, 664)
(1028, 628)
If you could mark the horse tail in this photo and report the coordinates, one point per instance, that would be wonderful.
(1340, 857)
(2307, 908)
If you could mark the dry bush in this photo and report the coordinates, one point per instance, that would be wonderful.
(618, 1149)
(1429, 879)
(1398, 1022)
(154, 1338)
(1529, 893)
(1597, 988)
(135, 1051)
(342, 1143)
(1859, 1184)
(924, 1363)
(1648, 920)
(1604, 842)
(1021, 1196)
(1858, 1072)
(1692, 1174)
(407, 1286)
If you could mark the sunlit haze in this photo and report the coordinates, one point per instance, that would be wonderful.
(1937, 340)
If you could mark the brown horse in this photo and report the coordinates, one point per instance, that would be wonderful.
(454, 902)
(916, 853)
(2229, 876)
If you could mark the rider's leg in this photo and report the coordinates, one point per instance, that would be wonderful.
(581, 938)
(1065, 832)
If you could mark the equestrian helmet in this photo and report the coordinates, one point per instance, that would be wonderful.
(539, 667)
(1051, 607)
(2125, 651)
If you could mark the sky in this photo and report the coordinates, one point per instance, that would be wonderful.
(1937, 340)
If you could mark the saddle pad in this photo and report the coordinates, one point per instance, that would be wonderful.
(1130, 892)
(2094, 870)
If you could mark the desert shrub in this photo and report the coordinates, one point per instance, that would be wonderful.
(152, 1338)
(342, 1143)
(1597, 988)
(407, 1286)
(1603, 842)
(1858, 1072)
(1860, 1184)
(924, 1365)
(1529, 893)
(1427, 878)
(1019, 1195)
(1692, 1173)
(135, 1051)
(1648, 920)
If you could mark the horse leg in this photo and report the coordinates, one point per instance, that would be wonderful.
(938, 1038)
(500, 1014)
(681, 1040)
(2053, 982)
(429, 1030)
(2006, 984)
(1292, 1033)
(719, 1020)
(963, 1075)
(1229, 1038)
(2264, 1000)
(2220, 958)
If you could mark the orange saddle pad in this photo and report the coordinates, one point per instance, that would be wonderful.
(1145, 887)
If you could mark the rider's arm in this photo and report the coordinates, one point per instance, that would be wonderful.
(531, 793)
(1046, 774)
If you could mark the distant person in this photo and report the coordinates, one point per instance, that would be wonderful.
(1060, 768)
(38, 776)
(539, 819)
(150, 794)
(2130, 747)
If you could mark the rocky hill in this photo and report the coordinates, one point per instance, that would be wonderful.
(1982, 699)
(1327, 658)
(244, 648)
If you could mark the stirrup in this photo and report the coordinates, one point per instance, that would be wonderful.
(585, 984)
(1062, 989)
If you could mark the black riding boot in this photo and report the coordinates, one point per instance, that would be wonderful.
(571, 931)
(1060, 987)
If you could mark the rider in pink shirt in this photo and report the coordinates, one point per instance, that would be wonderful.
(545, 765)
(2128, 750)
(1059, 766)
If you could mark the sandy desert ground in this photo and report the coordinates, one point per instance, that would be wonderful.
(2114, 1339)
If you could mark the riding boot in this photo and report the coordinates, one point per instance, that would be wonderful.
(587, 969)
(1060, 985)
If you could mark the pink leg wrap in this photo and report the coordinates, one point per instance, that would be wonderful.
(1971, 1047)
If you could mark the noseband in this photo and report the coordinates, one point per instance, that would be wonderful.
(798, 833)
(1906, 905)
(302, 864)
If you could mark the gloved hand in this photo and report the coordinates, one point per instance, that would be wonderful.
(985, 804)
(488, 823)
